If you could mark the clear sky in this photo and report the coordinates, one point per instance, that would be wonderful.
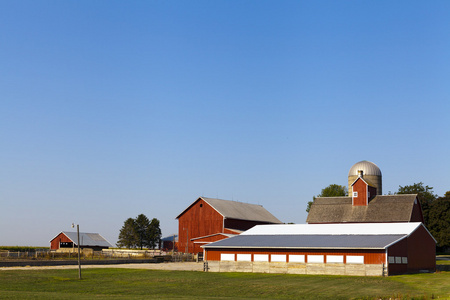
(110, 109)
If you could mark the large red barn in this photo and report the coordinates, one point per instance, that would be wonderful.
(208, 220)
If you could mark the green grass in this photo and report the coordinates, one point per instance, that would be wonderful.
(20, 248)
(140, 284)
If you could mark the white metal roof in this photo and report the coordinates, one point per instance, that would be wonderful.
(334, 229)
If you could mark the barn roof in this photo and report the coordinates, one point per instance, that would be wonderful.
(386, 208)
(87, 239)
(238, 210)
(323, 236)
(309, 241)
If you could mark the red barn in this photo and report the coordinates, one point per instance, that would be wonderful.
(365, 204)
(366, 249)
(208, 220)
(67, 240)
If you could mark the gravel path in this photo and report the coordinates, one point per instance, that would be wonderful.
(178, 266)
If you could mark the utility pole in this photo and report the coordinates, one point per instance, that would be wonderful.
(187, 239)
(78, 243)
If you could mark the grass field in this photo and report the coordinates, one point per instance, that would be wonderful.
(140, 284)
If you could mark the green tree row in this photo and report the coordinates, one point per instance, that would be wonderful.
(140, 232)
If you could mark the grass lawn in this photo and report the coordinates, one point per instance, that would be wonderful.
(140, 284)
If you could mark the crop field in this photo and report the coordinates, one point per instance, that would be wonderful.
(158, 284)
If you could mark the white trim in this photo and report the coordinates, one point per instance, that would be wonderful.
(316, 259)
(261, 257)
(243, 257)
(335, 259)
(355, 259)
(297, 258)
(278, 257)
(227, 257)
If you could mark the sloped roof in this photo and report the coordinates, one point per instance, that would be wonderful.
(238, 210)
(87, 239)
(309, 241)
(320, 236)
(386, 208)
(363, 179)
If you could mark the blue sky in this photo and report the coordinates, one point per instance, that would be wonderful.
(110, 109)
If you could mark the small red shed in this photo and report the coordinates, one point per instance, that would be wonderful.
(67, 240)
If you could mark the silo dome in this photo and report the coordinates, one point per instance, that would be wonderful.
(368, 168)
(369, 171)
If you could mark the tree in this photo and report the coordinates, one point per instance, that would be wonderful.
(140, 232)
(425, 195)
(127, 236)
(333, 190)
(439, 221)
(155, 233)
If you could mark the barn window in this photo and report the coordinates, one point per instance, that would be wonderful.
(261, 257)
(391, 259)
(335, 259)
(355, 259)
(297, 258)
(226, 257)
(201, 204)
(398, 260)
(355, 194)
(315, 259)
(244, 257)
(278, 258)
(404, 260)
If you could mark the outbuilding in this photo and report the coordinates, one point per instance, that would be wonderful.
(66, 240)
(366, 249)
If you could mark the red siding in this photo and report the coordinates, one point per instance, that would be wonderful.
(361, 188)
(198, 220)
(399, 249)
(370, 256)
(421, 251)
(54, 244)
(416, 215)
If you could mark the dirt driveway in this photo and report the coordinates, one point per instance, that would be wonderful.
(178, 266)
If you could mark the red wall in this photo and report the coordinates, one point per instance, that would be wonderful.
(198, 220)
(370, 256)
(421, 251)
(54, 244)
(416, 215)
(361, 187)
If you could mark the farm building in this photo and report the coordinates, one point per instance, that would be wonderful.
(170, 243)
(365, 203)
(208, 220)
(365, 249)
(67, 240)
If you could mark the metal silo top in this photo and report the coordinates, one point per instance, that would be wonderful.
(368, 168)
